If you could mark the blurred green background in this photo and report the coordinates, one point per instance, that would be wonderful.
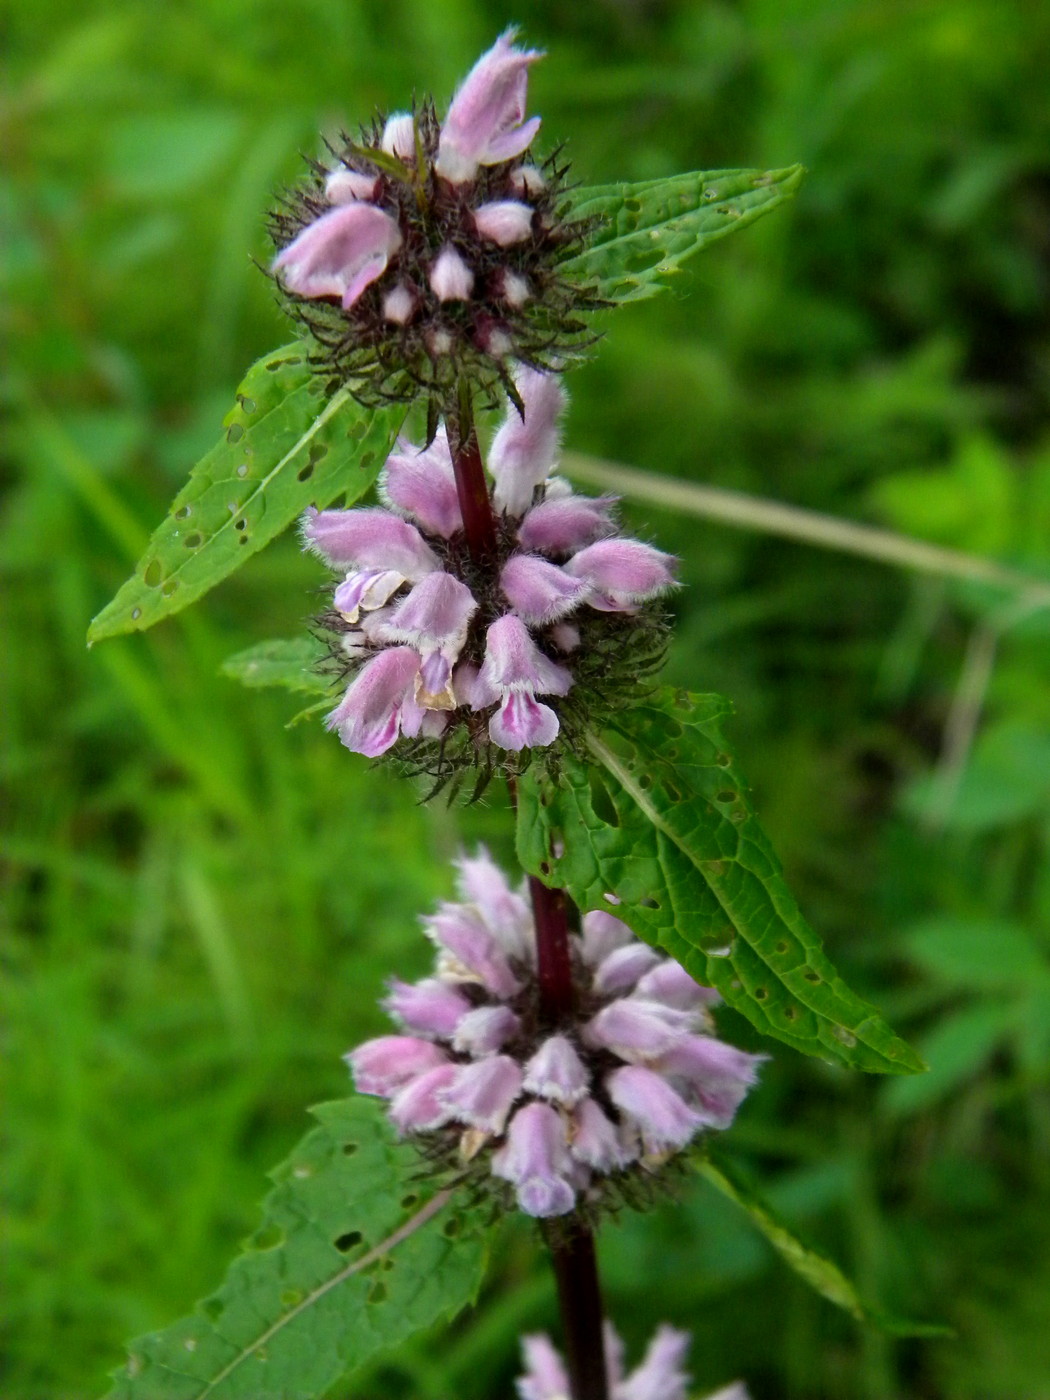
(202, 904)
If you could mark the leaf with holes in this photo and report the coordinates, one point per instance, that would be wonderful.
(819, 1272)
(285, 446)
(647, 230)
(663, 825)
(353, 1256)
(292, 663)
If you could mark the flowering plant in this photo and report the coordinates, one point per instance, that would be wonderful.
(486, 623)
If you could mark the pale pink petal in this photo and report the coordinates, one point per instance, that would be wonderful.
(523, 723)
(481, 882)
(483, 1093)
(713, 1076)
(545, 1376)
(538, 591)
(485, 1030)
(622, 573)
(368, 717)
(660, 1376)
(485, 120)
(670, 983)
(619, 972)
(450, 276)
(594, 1140)
(636, 1029)
(536, 1160)
(386, 1064)
(567, 523)
(399, 304)
(369, 539)
(399, 136)
(514, 662)
(418, 1107)
(344, 186)
(340, 253)
(504, 221)
(602, 934)
(664, 1118)
(557, 1073)
(430, 1007)
(523, 449)
(462, 934)
(422, 482)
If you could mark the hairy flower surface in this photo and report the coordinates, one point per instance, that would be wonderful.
(445, 648)
(559, 1113)
(659, 1376)
(430, 251)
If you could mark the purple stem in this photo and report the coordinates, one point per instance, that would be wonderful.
(572, 1248)
(479, 523)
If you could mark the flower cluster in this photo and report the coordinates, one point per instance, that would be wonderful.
(555, 1111)
(430, 251)
(659, 1377)
(437, 640)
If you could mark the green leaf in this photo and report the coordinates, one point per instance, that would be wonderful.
(819, 1272)
(352, 1256)
(664, 825)
(650, 228)
(290, 662)
(976, 954)
(285, 447)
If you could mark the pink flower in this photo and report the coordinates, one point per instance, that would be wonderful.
(378, 705)
(594, 1140)
(523, 450)
(430, 1007)
(418, 1107)
(546, 1377)
(389, 1062)
(399, 136)
(504, 221)
(369, 539)
(535, 1159)
(481, 882)
(602, 934)
(400, 304)
(637, 1029)
(433, 621)
(664, 1118)
(513, 673)
(622, 573)
(713, 1076)
(486, 123)
(450, 276)
(485, 1030)
(557, 1073)
(670, 983)
(660, 1376)
(621, 969)
(482, 1093)
(340, 253)
(538, 591)
(421, 482)
(345, 186)
(475, 952)
(558, 526)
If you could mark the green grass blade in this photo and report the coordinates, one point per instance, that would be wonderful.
(820, 1272)
(285, 447)
(353, 1256)
(650, 228)
(663, 824)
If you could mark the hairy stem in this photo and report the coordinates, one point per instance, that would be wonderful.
(553, 962)
(580, 1301)
(479, 523)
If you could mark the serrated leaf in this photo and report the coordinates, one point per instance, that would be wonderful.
(648, 229)
(289, 662)
(284, 448)
(352, 1256)
(663, 823)
(821, 1273)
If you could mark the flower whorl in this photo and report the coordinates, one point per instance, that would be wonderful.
(440, 643)
(557, 1112)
